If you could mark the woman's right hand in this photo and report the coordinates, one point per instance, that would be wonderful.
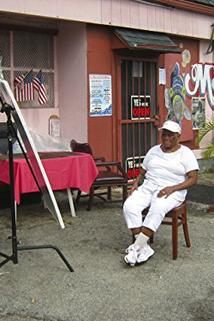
(133, 188)
(137, 181)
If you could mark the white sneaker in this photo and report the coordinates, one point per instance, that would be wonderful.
(129, 248)
(131, 257)
(144, 254)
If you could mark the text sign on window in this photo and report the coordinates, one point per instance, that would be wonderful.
(133, 165)
(140, 107)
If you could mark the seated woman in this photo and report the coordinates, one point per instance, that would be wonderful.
(169, 169)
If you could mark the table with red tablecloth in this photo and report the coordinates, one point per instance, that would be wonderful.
(65, 171)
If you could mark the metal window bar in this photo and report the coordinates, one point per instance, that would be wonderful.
(21, 51)
(138, 134)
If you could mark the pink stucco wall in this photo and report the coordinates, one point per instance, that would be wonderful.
(36, 119)
(72, 80)
(124, 13)
(70, 88)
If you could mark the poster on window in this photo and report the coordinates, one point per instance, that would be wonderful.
(100, 90)
(140, 107)
(132, 166)
(198, 112)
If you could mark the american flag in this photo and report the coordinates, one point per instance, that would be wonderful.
(17, 84)
(24, 87)
(38, 85)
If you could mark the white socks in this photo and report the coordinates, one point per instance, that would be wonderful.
(141, 240)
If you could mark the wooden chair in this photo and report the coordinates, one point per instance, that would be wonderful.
(175, 218)
(111, 174)
(4, 139)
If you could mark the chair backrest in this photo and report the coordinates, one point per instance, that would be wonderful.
(3, 137)
(81, 147)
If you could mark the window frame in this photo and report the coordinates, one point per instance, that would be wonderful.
(12, 70)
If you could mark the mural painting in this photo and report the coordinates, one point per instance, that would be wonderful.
(175, 97)
(188, 91)
(201, 78)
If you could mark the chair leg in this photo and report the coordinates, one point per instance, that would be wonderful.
(151, 239)
(90, 200)
(185, 228)
(133, 238)
(124, 193)
(78, 197)
(174, 235)
(108, 193)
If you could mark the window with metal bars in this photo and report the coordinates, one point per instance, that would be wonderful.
(22, 51)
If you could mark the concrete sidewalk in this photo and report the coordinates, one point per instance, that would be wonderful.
(103, 287)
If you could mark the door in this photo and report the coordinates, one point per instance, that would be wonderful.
(138, 112)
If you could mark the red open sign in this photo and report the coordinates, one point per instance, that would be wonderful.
(140, 107)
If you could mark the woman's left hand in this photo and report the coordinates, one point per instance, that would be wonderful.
(166, 191)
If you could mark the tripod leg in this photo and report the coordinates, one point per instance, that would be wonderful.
(12, 198)
(49, 246)
(7, 259)
(14, 256)
(13, 209)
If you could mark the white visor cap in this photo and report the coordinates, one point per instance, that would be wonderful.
(172, 126)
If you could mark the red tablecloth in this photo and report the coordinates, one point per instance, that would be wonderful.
(76, 171)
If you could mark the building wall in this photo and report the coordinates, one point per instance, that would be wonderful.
(72, 80)
(124, 13)
(206, 58)
(70, 88)
(79, 55)
(100, 60)
(171, 61)
(36, 119)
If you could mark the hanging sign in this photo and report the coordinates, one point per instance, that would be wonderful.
(140, 107)
(54, 126)
(162, 76)
(100, 87)
(132, 166)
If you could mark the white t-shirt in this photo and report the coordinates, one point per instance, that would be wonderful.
(167, 169)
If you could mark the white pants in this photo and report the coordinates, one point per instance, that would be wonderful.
(143, 197)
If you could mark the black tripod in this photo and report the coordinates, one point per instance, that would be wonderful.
(7, 109)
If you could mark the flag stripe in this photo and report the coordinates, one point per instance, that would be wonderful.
(24, 87)
(38, 84)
